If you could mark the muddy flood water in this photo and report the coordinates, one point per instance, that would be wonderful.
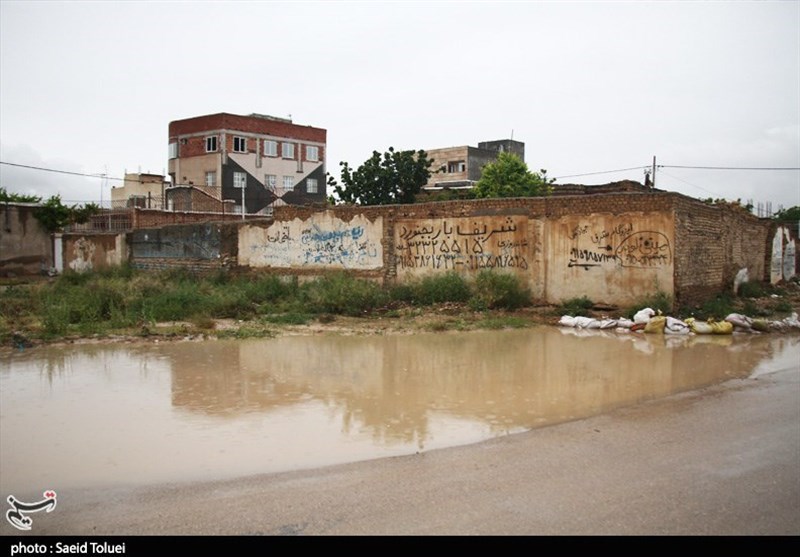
(138, 414)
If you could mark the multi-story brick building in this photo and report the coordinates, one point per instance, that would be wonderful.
(273, 160)
(460, 167)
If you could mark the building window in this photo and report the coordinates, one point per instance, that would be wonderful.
(211, 144)
(287, 150)
(456, 166)
(311, 185)
(173, 150)
(271, 181)
(270, 148)
(312, 153)
(211, 179)
(288, 182)
(239, 179)
(239, 144)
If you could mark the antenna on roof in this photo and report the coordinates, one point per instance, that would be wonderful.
(512, 134)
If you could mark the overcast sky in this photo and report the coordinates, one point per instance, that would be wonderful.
(588, 86)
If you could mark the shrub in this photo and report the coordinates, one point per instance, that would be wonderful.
(437, 289)
(717, 307)
(660, 301)
(342, 294)
(499, 291)
(576, 306)
(751, 290)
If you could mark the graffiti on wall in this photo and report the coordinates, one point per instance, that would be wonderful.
(620, 245)
(462, 244)
(322, 241)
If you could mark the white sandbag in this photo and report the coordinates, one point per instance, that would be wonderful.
(567, 321)
(676, 327)
(624, 323)
(792, 321)
(643, 315)
(740, 322)
(608, 323)
(587, 322)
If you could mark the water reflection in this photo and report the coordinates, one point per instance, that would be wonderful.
(109, 415)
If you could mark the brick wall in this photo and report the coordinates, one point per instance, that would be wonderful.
(711, 243)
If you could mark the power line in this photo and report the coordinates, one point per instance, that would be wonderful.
(689, 183)
(603, 172)
(731, 167)
(62, 171)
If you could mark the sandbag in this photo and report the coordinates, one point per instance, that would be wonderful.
(643, 315)
(739, 321)
(699, 327)
(676, 327)
(761, 325)
(721, 327)
(587, 323)
(656, 324)
(624, 323)
(567, 321)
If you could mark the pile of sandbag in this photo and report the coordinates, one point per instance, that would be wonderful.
(649, 321)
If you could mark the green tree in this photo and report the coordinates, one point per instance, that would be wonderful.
(54, 215)
(792, 214)
(509, 176)
(394, 177)
(6, 196)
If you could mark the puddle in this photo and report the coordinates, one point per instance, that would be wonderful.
(105, 415)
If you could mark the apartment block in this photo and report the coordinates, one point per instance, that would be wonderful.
(460, 167)
(256, 161)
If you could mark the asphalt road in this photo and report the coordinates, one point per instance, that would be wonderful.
(721, 461)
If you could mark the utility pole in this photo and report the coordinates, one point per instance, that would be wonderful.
(653, 183)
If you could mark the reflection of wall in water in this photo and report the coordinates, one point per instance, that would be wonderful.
(208, 377)
(391, 385)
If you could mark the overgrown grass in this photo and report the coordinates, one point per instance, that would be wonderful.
(498, 291)
(659, 301)
(751, 289)
(504, 322)
(124, 300)
(438, 289)
(342, 294)
(717, 307)
(576, 306)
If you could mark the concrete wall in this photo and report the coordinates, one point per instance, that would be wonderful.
(617, 259)
(25, 245)
(321, 241)
(197, 247)
(85, 252)
(612, 248)
(464, 245)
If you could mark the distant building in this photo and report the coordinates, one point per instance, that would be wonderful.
(139, 190)
(272, 159)
(461, 167)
